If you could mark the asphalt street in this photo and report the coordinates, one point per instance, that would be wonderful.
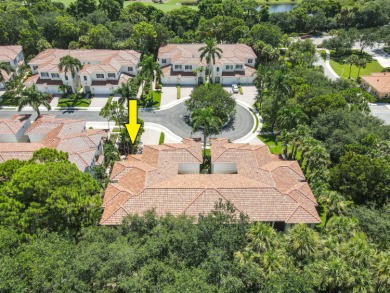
(173, 119)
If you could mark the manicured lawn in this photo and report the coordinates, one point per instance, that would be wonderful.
(373, 66)
(64, 102)
(167, 6)
(156, 98)
(274, 145)
(66, 2)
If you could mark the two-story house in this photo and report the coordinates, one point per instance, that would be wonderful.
(181, 64)
(14, 56)
(102, 73)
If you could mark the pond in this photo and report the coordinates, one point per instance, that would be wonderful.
(275, 8)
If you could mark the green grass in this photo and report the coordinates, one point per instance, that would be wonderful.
(257, 121)
(371, 67)
(64, 102)
(162, 138)
(274, 145)
(156, 98)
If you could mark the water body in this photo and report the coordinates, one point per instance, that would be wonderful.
(276, 8)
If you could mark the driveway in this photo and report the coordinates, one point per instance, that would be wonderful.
(248, 97)
(169, 94)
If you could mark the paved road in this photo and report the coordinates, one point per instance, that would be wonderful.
(327, 72)
(381, 111)
(173, 119)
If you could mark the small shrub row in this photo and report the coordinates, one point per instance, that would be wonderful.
(162, 138)
(178, 92)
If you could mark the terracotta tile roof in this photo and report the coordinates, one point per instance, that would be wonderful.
(46, 124)
(95, 60)
(19, 151)
(9, 126)
(265, 187)
(189, 54)
(379, 81)
(62, 134)
(9, 53)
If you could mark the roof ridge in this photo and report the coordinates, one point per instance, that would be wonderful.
(190, 204)
(226, 199)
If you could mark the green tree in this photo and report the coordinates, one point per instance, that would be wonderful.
(150, 71)
(69, 64)
(210, 52)
(81, 8)
(34, 98)
(208, 122)
(128, 90)
(145, 35)
(214, 96)
(351, 60)
(361, 63)
(334, 203)
(46, 155)
(63, 199)
(290, 117)
(99, 37)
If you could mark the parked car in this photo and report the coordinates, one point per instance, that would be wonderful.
(235, 88)
(305, 37)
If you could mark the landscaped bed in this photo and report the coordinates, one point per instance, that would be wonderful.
(66, 102)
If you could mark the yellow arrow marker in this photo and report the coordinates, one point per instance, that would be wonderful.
(133, 126)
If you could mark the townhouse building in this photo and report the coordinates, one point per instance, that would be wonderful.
(102, 73)
(14, 56)
(181, 64)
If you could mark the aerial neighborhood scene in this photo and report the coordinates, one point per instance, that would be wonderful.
(195, 146)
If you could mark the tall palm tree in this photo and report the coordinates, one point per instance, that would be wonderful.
(34, 98)
(261, 80)
(206, 120)
(302, 242)
(70, 64)
(210, 52)
(351, 60)
(335, 204)
(316, 157)
(150, 71)
(290, 117)
(127, 91)
(5, 67)
(299, 134)
(262, 237)
(361, 63)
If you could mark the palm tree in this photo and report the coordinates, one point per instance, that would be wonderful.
(210, 52)
(302, 242)
(316, 157)
(34, 98)
(127, 91)
(262, 237)
(361, 63)
(150, 70)
(290, 117)
(285, 138)
(299, 134)
(206, 120)
(261, 80)
(72, 65)
(334, 202)
(5, 68)
(351, 60)
(382, 272)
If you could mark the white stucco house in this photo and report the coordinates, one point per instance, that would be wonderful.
(13, 129)
(14, 56)
(102, 73)
(181, 64)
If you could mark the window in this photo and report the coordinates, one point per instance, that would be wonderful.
(35, 67)
(250, 61)
(228, 67)
(163, 61)
(238, 66)
(66, 77)
(177, 66)
(129, 68)
(99, 75)
(55, 75)
(44, 74)
(85, 77)
(188, 67)
(111, 75)
(217, 69)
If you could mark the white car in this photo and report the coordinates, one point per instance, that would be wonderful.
(235, 88)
